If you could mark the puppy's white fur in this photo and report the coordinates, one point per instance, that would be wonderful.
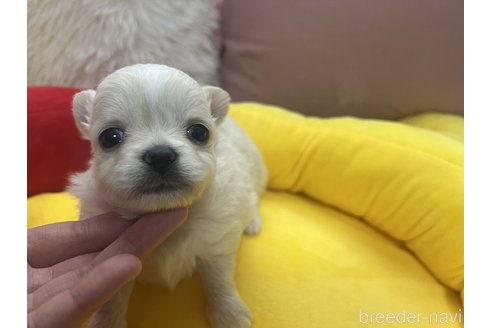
(154, 105)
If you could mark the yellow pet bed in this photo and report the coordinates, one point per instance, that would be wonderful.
(362, 226)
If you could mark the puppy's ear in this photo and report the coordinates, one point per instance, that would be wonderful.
(219, 102)
(82, 110)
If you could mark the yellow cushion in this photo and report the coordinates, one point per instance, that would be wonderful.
(349, 201)
(447, 124)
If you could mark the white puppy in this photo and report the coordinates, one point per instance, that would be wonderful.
(161, 141)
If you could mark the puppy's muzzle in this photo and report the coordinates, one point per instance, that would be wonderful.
(160, 158)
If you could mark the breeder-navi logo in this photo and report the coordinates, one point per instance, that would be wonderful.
(405, 317)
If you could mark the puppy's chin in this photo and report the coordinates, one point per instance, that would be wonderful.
(153, 201)
(154, 198)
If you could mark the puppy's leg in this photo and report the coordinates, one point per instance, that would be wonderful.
(113, 313)
(225, 308)
(254, 226)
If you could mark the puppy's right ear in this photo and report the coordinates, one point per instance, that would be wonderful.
(82, 110)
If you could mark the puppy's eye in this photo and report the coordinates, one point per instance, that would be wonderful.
(111, 137)
(198, 132)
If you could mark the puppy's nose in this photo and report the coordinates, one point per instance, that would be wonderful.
(160, 158)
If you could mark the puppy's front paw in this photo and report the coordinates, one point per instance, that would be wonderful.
(254, 227)
(229, 312)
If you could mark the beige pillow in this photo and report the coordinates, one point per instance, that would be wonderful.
(380, 58)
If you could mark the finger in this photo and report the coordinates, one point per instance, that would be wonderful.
(53, 287)
(53, 243)
(74, 306)
(145, 234)
(71, 264)
(39, 277)
(140, 239)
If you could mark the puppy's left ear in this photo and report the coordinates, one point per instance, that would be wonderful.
(219, 102)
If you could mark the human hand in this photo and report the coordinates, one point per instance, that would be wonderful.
(76, 267)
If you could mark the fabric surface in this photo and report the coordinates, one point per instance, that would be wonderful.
(77, 43)
(406, 181)
(54, 148)
(361, 217)
(377, 59)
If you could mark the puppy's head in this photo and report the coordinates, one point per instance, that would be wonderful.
(153, 131)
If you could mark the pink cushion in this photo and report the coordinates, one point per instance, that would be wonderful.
(381, 58)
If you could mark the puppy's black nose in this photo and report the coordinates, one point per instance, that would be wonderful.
(160, 158)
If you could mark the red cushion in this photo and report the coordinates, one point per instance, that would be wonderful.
(54, 146)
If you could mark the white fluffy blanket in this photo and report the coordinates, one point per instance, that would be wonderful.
(78, 42)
